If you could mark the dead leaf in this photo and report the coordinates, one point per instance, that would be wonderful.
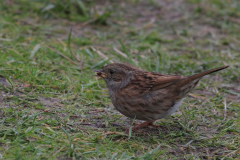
(197, 96)
(26, 85)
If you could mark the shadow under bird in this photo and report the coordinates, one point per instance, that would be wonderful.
(144, 95)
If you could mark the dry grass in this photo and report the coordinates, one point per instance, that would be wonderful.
(52, 107)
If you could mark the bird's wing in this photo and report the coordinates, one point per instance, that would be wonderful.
(162, 81)
(150, 81)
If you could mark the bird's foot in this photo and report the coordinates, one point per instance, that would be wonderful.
(144, 124)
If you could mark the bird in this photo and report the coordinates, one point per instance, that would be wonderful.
(145, 95)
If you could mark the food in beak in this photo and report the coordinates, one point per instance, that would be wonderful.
(99, 72)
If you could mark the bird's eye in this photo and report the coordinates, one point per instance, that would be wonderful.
(111, 71)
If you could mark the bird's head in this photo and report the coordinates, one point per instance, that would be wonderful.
(116, 75)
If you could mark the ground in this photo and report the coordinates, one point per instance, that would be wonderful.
(53, 107)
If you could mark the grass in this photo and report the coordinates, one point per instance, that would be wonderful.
(52, 107)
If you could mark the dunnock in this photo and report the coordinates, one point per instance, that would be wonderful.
(147, 95)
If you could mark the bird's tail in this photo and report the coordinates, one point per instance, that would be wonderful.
(200, 75)
(188, 83)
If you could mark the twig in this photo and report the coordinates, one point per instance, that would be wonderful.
(64, 45)
(101, 54)
(75, 56)
(123, 54)
(16, 52)
(87, 22)
(225, 109)
(225, 112)
(148, 25)
(62, 55)
(197, 96)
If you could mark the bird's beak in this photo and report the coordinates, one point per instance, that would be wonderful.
(95, 70)
(100, 73)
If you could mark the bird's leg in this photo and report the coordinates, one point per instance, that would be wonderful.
(144, 124)
(151, 124)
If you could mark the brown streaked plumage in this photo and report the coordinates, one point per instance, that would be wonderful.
(147, 95)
